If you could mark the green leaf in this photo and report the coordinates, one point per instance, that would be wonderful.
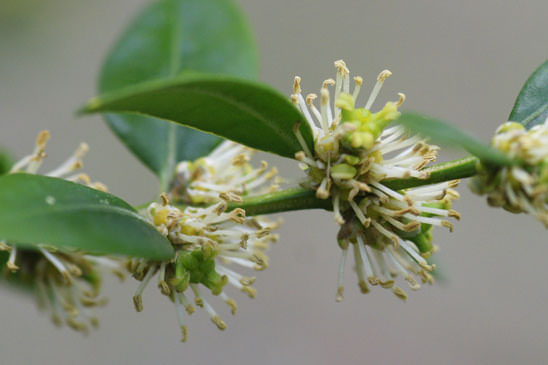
(448, 135)
(6, 161)
(167, 38)
(531, 106)
(37, 209)
(247, 112)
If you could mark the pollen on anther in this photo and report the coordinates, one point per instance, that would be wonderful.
(383, 75)
(297, 85)
(401, 99)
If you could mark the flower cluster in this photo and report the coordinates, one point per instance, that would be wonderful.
(226, 170)
(209, 238)
(391, 234)
(67, 284)
(355, 154)
(523, 187)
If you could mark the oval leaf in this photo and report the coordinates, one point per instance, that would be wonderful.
(168, 37)
(36, 209)
(448, 135)
(246, 112)
(531, 106)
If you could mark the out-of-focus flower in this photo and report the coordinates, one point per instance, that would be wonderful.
(520, 188)
(67, 284)
(226, 170)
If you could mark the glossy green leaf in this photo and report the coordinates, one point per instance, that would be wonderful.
(448, 135)
(37, 209)
(244, 111)
(167, 38)
(531, 106)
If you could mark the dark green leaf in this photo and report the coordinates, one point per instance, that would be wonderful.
(531, 106)
(246, 112)
(6, 161)
(38, 209)
(167, 38)
(448, 135)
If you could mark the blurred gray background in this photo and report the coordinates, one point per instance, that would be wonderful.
(463, 61)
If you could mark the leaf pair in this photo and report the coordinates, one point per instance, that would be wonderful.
(257, 116)
(168, 38)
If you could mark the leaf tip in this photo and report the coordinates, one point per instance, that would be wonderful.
(91, 106)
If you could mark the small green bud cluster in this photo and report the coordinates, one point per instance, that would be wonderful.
(198, 267)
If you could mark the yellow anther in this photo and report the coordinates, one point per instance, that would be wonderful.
(219, 322)
(363, 287)
(401, 99)
(233, 306)
(138, 303)
(447, 224)
(42, 139)
(400, 293)
(184, 333)
(99, 186)
(413, 284)
(247, 280)
(340, 294)
(190, 309)
(164, 288)
(387, 284)
(241, 159)
(165, 199)
(310, 99)
(341, 67)
(328, 82)
(383, 75)
(251, 292)
(297, 85)
(454, 214)
(12, 267)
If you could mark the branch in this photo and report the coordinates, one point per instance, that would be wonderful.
(301, 198)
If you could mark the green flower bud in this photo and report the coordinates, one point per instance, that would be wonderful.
(343, 171)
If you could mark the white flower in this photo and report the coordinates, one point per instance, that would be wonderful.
(67, 284)
(522, 187)
(393, 235)
(355, 152)
(206, 241)
(226, 170)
